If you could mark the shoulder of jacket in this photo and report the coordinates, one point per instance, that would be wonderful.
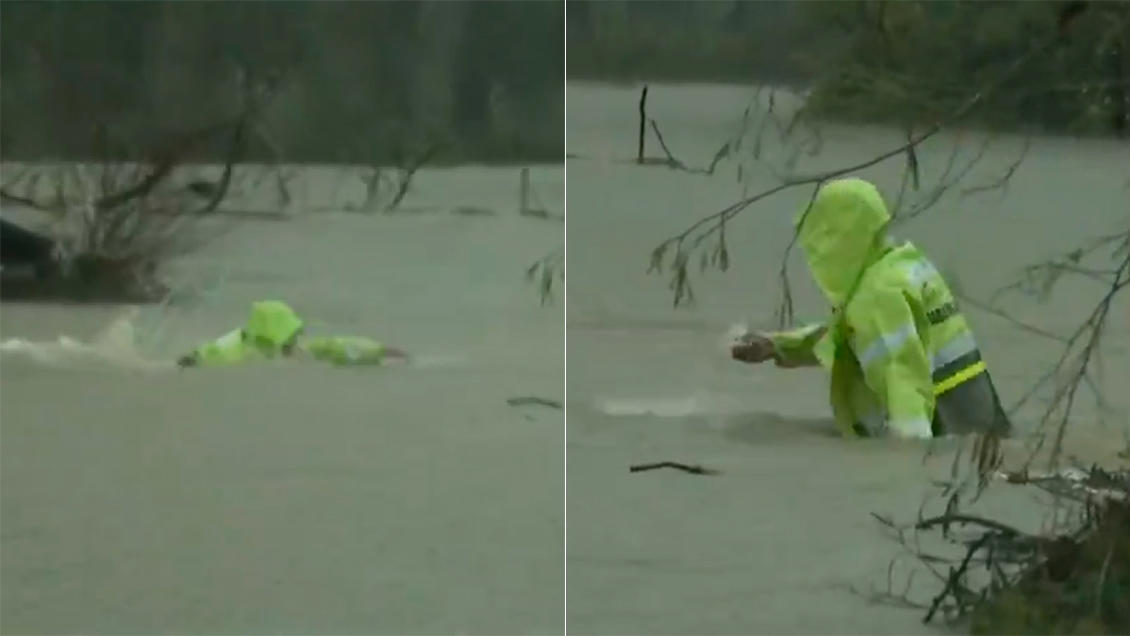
(877, 290)
(230, 338)
(904, 268)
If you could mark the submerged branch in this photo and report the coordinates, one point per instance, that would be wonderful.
(545, 271)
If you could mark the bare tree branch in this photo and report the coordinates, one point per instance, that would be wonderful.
(709, 226)
(545, 271)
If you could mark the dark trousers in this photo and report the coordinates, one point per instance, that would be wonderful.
(971, 407)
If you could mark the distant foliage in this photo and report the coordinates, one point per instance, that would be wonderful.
(359, 82)
(911, 62)
(658, 40)
(893, 61)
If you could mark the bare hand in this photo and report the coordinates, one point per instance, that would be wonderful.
(753, 349)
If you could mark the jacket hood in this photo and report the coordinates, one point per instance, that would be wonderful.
(272, 323)
(843, 233)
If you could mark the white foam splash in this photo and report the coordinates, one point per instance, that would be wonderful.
(733, 336)
(700, 403)
(115, 347)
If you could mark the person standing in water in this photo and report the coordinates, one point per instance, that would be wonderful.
(274, 330)
(902, 357)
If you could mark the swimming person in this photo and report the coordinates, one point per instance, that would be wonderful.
(902, 357)
(274, 330)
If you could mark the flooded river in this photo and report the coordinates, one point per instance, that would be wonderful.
(299, 498)
(777, 542)
(296, 498)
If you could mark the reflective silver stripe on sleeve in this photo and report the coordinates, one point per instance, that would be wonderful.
(960, 346)
(886, 343)
(230, 338)
(920, 271)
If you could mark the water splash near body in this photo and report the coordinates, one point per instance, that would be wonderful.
(114, 347)
(733, 336)
(701, 402)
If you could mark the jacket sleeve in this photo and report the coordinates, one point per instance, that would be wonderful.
(227, 349)
(797, 345)
(894, 360)
(346, 350)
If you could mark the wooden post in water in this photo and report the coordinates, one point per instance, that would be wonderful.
(643, 123)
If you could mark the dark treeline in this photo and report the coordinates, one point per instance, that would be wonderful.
(358, 81)
(685, 40)
(903, 61)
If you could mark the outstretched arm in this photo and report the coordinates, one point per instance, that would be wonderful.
(788, 349)
(352, 350)
(796, 347)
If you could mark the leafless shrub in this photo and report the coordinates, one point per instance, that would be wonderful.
(114, 224)
(386, 187)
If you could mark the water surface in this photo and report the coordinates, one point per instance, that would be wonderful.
(777, 541)
(286, 498)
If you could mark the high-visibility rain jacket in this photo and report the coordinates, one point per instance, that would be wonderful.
(344, 350)
(271, 327)
(901, 355)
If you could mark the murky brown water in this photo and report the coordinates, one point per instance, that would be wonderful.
(302, 498)
(772, 544)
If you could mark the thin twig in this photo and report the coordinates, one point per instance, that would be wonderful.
(671, 160)
(944, 520)
(1001, 183)
(955, 577)
(709, 225)
(687, 468)
(985, 307)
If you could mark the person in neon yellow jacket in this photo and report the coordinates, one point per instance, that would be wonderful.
(902, 357)
(274, 330)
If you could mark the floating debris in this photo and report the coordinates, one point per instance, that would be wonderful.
(687, 468)
(533, 400)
